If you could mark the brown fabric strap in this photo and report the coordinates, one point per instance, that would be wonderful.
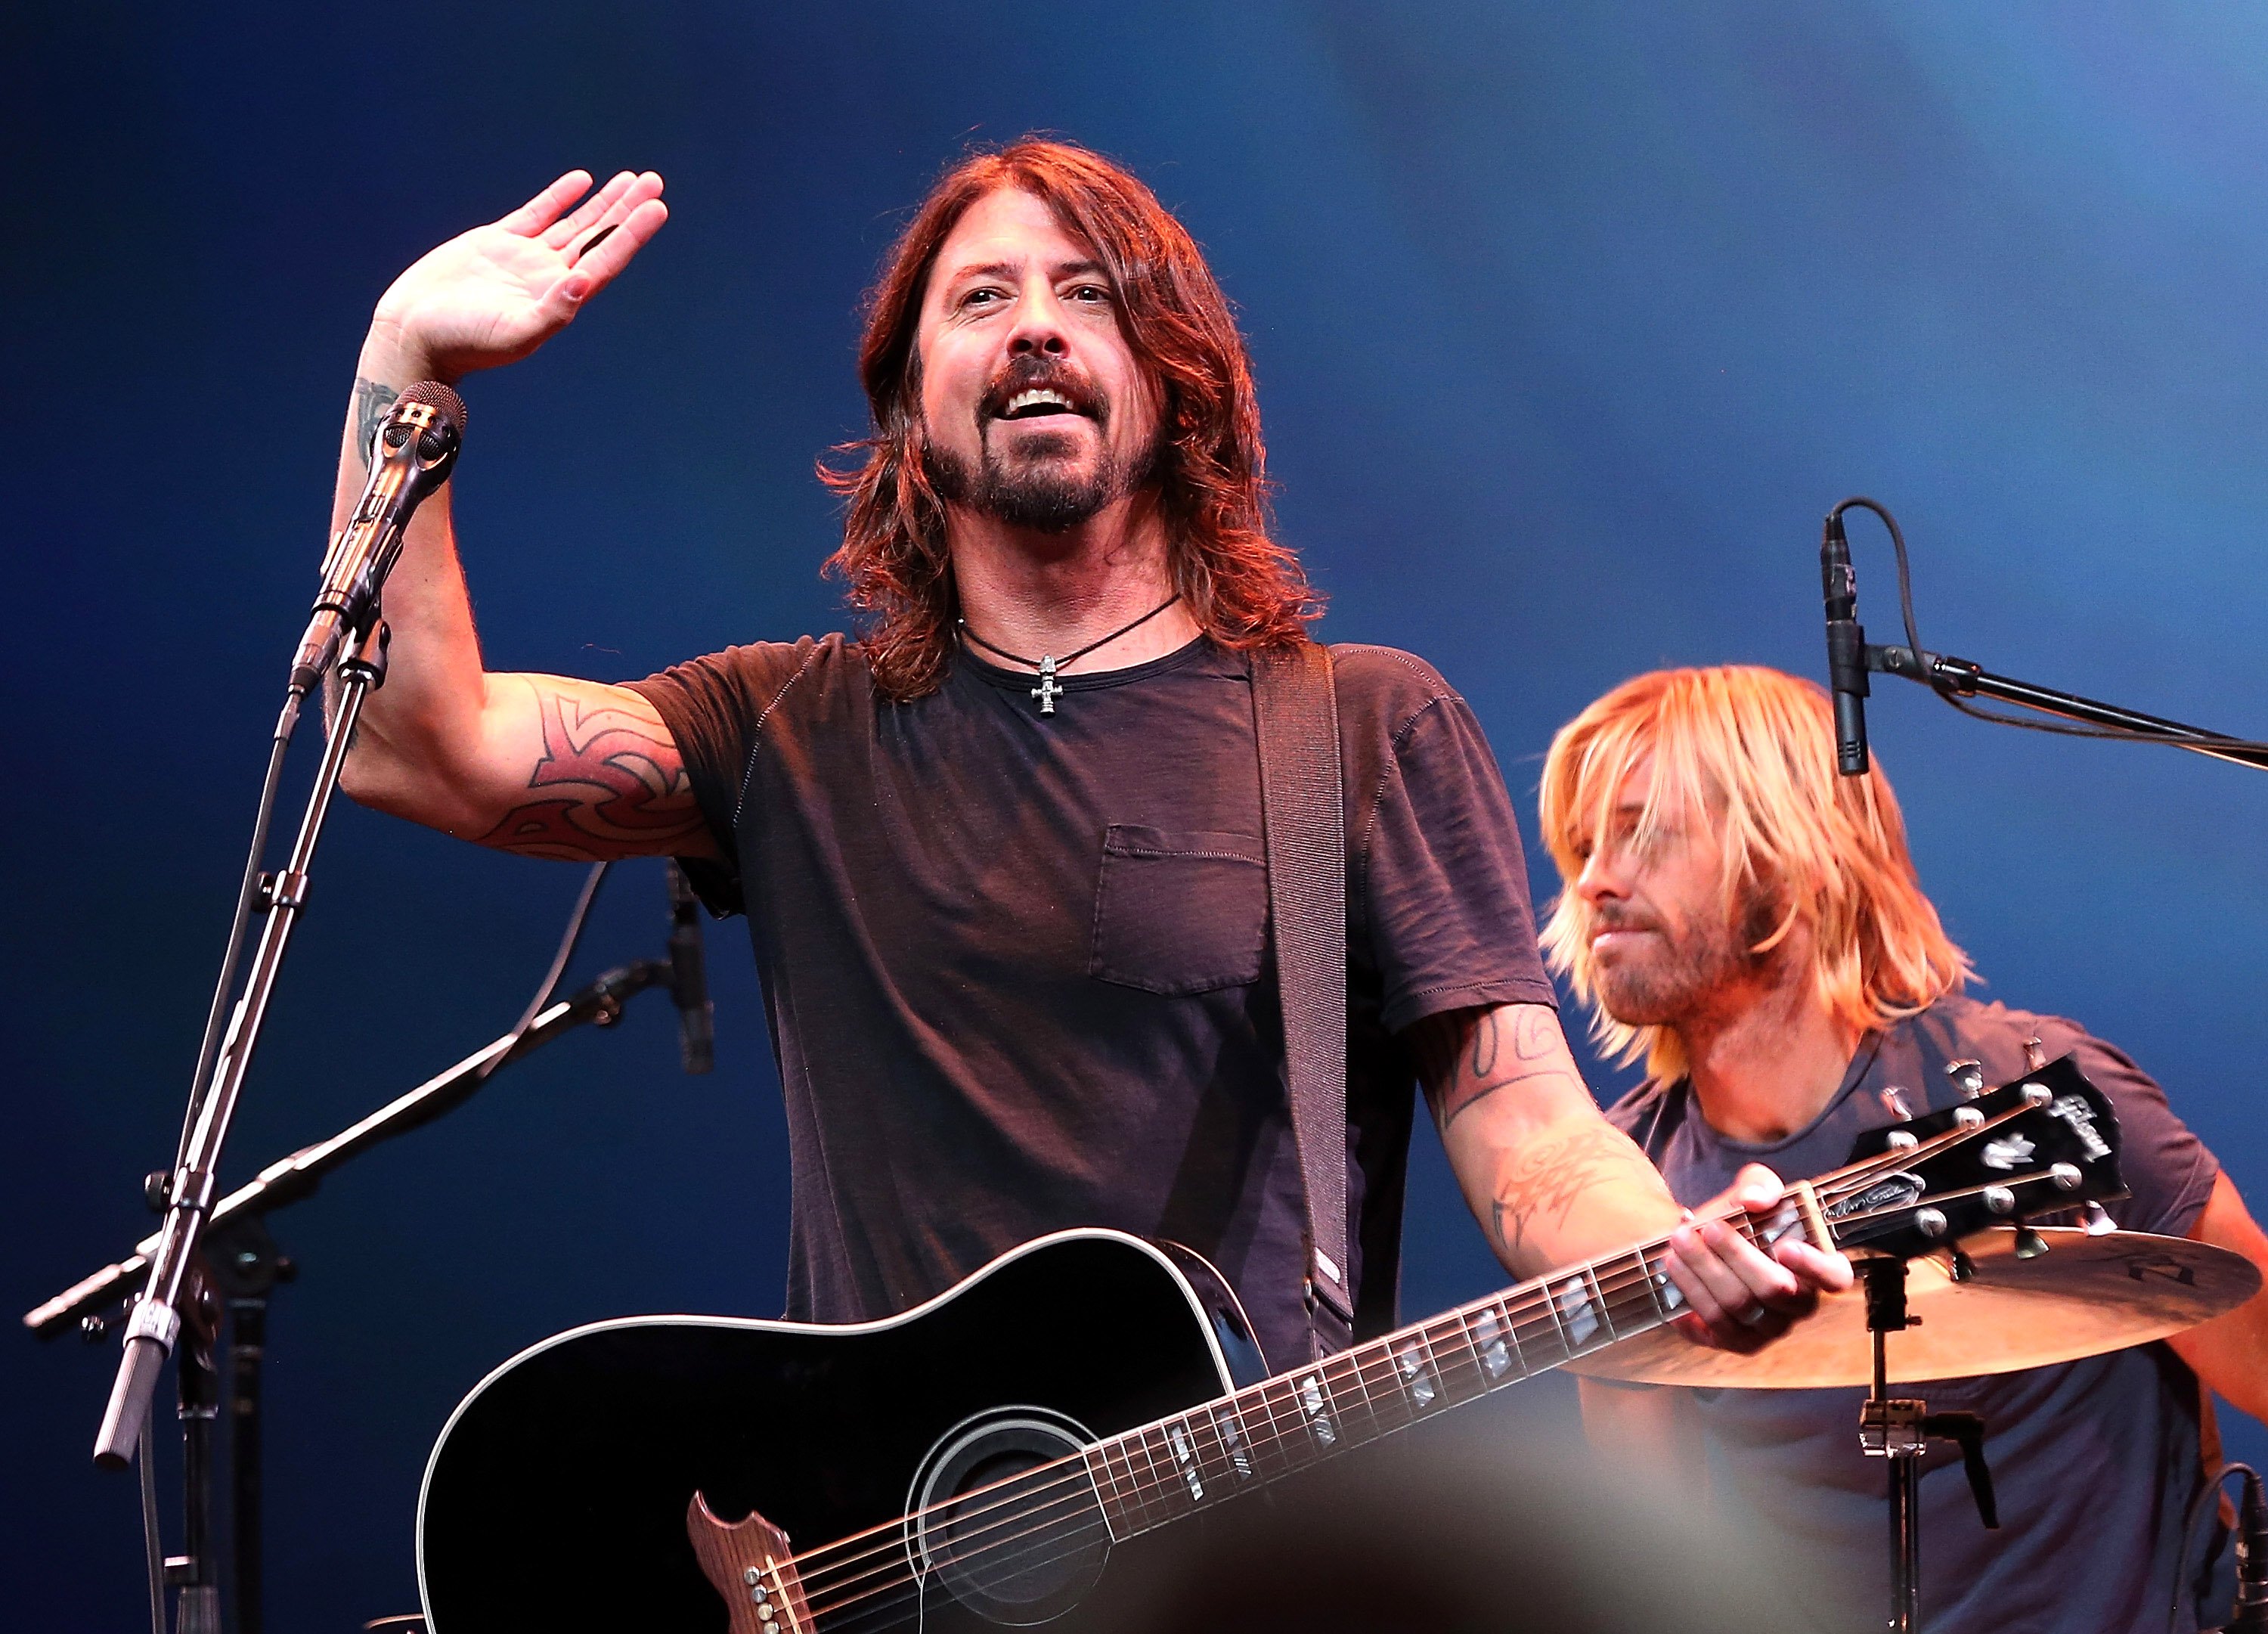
(1296, 719)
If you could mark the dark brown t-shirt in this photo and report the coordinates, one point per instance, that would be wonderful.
(1016, 966)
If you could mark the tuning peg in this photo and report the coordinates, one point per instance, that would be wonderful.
(1968, 1076)
(2036, 1054)
(2029, 1244)
(2098, 1221)
(1894, 1102)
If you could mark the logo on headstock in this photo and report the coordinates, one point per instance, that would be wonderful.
(2076, 1112)
(1892, 1191)
(2010, 1152)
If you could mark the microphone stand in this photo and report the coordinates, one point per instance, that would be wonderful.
(156, 1325)
(245, 1266)
(1851, 658)
(1960, 678)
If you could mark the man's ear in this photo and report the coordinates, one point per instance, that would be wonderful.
(1768, 915)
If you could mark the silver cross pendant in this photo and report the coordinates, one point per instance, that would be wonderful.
(1046, 692)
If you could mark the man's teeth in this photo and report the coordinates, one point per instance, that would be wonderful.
(1036, 397)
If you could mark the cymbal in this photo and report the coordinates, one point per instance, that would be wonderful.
(2085, 1295)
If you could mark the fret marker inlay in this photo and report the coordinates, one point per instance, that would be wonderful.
(1575, 1307)
(1311, 1403)
(1488, 1337)
(1417, 1375)
(1187, 1459)
(1223, 1422)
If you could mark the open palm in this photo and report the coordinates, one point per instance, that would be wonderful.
(493, 295)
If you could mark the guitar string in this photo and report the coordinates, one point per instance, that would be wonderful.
(1532, 1308)
(1364, 1361)
(1083, 1531)
(901, 1582)
(1463, 1371)
(1532, 1317)
(1517, 1308)
(1531, 1311)
(1538, 1311)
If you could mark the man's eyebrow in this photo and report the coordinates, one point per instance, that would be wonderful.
(1009, 270)
(988, 270)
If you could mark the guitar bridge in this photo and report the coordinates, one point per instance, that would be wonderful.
(750, 1564)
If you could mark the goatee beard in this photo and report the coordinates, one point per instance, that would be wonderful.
(1694, 970)
(1041, 493)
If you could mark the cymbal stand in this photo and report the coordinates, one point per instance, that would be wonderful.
(1899, 1430)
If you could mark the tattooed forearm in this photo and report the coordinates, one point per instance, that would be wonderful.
(1464, 1058)
(615, 783)
(1542, 1186)
(371, 403)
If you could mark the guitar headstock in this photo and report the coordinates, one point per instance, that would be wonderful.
(2048, 1141)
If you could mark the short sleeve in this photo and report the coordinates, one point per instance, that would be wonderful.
(1441, 882)
(714, 707)
(2167, 1170)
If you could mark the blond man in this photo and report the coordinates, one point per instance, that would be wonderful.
(1749, 924)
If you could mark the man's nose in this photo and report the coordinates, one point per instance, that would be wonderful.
(1039, 330)
(1602, 877)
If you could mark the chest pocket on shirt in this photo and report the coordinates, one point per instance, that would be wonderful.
(1178, 912)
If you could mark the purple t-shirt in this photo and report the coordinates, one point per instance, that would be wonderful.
(2094, 1462)
(1016, 966)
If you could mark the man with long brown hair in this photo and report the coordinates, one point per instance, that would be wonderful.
(1000, 855)
(1749, 924)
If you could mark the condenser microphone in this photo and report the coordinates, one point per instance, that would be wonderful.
(410, 455)
(2251, 1556)
(688, 978)
(1846, 648)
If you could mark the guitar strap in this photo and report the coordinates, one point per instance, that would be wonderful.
(1296, 720)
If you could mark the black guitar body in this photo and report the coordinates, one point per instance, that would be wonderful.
(555, 1500)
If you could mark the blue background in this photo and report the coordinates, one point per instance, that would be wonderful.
(1569, 322)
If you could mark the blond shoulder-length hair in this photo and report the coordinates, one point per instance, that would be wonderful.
(1749, 752)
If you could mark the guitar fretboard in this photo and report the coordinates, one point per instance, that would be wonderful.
(1177, 1465)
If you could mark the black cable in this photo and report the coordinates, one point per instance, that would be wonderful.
(567, 945)
(153, 1552)
(1944, 689)
(2210, 1492)
(247, 898)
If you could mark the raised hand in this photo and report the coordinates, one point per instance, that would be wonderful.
(493, 295)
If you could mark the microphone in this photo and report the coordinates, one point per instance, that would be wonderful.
(410, 456)
(1846, 648)
(689, 980)
(2251, 1556)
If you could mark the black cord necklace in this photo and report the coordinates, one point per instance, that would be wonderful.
(1046, 692)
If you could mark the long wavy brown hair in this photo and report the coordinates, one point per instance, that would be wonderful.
(1243, 588)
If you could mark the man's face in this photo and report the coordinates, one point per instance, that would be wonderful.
(1664, 951)
(1036, 410)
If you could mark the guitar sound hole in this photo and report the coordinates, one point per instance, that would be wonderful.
(1011, 1539)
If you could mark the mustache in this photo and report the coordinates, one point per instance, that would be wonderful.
(1612, 919)
(1031, 372)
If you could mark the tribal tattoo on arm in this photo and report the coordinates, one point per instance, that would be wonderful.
(614, 780)
(1544, 1184)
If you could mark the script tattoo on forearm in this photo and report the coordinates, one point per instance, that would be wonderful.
(617, 786)
(371, 403)
(1545, 1184)
(1465, 1058)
